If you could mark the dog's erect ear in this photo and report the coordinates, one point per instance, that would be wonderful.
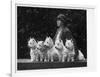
(50, 38)
(71, 40)
(47, 37)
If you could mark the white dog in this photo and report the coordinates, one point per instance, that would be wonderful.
(40, 49)
(33, 50)
(71, 49)
(48, 43)
(80, 56)
(62, 50)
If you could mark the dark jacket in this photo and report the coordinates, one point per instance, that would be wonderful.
(65, 34)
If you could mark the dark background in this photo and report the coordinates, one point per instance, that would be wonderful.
(41, 22)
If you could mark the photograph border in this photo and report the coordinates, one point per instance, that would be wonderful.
(14, 34)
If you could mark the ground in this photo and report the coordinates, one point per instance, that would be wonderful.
(26, 64)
